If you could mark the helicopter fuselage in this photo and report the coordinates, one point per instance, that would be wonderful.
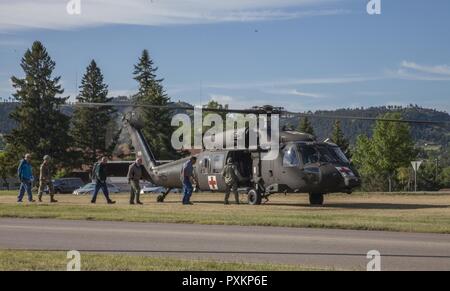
(302, 165)
(288, 173)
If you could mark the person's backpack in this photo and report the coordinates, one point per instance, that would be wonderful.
(94, 172)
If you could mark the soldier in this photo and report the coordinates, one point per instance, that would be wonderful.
(25, 174)
(100, 181)
(232, 177)
(45, 179)
(134, 176)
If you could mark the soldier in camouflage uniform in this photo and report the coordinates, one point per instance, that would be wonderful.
(134, 177)
(232, 177)
(45, 179)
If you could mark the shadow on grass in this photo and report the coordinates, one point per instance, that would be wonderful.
(381, 206)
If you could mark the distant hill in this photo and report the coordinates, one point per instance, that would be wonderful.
(323, 127)
(421, 134)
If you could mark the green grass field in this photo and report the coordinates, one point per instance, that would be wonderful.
(57, 261)
(390, 212)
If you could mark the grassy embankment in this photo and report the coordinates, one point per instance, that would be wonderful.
(57, 261)
(364, 211)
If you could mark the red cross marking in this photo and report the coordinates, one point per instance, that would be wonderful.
(345, 171)
(212, 182)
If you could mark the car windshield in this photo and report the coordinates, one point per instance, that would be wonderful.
(88, 186)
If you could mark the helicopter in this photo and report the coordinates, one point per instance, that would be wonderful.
(303, 164)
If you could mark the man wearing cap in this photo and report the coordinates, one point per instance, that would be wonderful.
(45, 180)
(232, 177)
(134, 177)
(25, 174)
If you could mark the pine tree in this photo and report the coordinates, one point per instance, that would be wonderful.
(2, 143)
(157, 122)
(41, 127)
(338, 137)
(90, 125)
(305, 126)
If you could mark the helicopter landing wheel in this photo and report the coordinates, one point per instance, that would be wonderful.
(254, 197)
(316, 199)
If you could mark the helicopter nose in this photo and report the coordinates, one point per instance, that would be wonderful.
(351, 180)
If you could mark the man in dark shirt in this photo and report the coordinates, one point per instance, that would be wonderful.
(100, 181)
(187, 172)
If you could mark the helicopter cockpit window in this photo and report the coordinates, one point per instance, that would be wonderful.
(290, 158)
(309, 154)
(327, 155)
(340, 155)
(332, 154)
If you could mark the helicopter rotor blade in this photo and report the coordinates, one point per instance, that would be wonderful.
(174, 107)
(359, 118)
(265, 110)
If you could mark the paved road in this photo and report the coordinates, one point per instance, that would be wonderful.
(341, 249)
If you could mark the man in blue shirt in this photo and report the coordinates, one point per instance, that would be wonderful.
(187, 172)
(25, 174)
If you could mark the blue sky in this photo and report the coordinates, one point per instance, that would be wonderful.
(300, 54)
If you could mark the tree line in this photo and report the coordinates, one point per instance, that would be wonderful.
(90, 132)
(382, 158)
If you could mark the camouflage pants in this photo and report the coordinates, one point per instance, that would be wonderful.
(232, 187)
(51, 190)
(43, 184)
(135, 192)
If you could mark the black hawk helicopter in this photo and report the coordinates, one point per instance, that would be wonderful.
(303, 165)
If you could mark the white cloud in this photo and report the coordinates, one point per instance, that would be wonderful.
(293, 82)
(417, 72)
(52, 14)
(293, 92)
(438, 70)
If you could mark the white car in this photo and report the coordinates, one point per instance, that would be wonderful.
(157, 190)
(89, 189)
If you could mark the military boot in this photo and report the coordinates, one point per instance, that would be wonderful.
(40, 197)
(52, 199)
